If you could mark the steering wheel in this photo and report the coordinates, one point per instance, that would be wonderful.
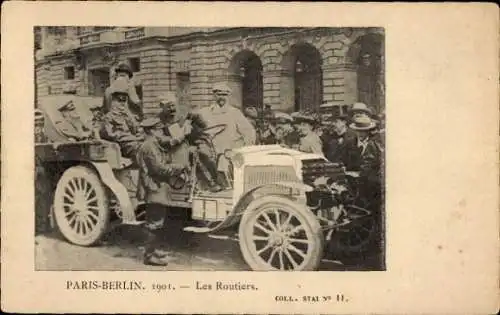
(214, 130)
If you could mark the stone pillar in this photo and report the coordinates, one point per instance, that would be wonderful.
(272, 89)
(154, 75)
(287, 91)
(340, 84)
(200, 80)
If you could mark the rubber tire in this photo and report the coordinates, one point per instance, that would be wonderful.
(338, 247)
(298, 210)
(102, 200)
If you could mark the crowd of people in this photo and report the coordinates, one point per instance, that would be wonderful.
(165, 147)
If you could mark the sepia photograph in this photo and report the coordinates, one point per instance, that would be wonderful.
(209, 148)
(187, 157)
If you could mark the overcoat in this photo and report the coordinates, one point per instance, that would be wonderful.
(239, 131)
(156, 170)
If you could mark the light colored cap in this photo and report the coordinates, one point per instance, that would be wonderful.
(221, 88)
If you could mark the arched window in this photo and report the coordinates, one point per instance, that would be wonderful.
(245, 73)
(303, 77)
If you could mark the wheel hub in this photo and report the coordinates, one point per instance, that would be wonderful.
(278, 239)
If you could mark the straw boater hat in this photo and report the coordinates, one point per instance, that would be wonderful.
(360, 107)
(221, 88)
(304, 116)
(280, 117)
(362, 123)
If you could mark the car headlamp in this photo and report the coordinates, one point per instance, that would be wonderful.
(237, 160)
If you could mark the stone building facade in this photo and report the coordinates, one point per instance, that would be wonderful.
(286, 68)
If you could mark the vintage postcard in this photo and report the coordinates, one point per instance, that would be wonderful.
(242, 158)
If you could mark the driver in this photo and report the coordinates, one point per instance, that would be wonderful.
(238, 131)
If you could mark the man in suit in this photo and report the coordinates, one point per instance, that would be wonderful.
(156, 170)
(238, 131)
(370, 159)
(338, 140)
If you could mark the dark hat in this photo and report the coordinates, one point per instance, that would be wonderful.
(66, 107)
(123, 67)
(152, 122)
(362, 123)
(119, 86)
(360, 107)
(251, 112)
(305, 116)
(332, 111)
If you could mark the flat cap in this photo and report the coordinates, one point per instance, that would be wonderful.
(221, 88)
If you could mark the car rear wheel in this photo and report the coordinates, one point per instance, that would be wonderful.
(81, 206)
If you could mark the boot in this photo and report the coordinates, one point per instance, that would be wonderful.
(152, 255)
(152, 260)
(214, 187)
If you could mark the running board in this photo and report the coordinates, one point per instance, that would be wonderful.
(133, 222)
(224, 237)
(196, 229)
